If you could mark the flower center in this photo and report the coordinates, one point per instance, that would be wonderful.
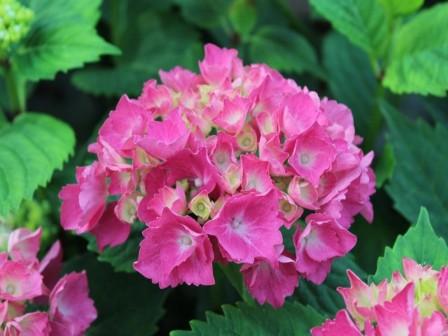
(236, 223)
(305, 158)
(186, 241)
(11, 289)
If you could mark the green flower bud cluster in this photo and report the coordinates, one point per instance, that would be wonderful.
(15, 21)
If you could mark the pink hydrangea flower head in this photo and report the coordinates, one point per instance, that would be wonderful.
(408, 304)
(71, 309)
(271, 281)
(225, 158)
(247, 227)
(175, 250)
(24, 244)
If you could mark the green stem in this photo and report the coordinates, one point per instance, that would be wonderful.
(15, 88)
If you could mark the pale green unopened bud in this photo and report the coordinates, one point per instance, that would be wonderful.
(15, 22)
(201, 206)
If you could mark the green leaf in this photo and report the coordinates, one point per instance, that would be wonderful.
(401, 7)
(62, 37)
(156, 42)
(324, 297)
(127, 304)
(30, 150)
(284, 50)
(386, 165)
(206, 14)
(419, 177)
(419, 243)
(121, 257)
(292, 319)
(364, 22)
(243, 16)
(419, 58)
(350, 78)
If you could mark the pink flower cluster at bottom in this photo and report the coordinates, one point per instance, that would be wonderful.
(413, 304)
(215, 164)
(26, 282)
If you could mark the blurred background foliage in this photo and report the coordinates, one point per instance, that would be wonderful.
(386, 60)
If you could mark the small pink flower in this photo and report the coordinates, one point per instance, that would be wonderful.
(233, 115)
(71, 309)
(51, 265)
(151, 208)
(396, 317)
(174, 251)
(255, 174)
(218, 64)
(23, 244)
(271, 281)
(125, 126)
(83, 203)
(272, 152)
(342, 325)
(179, 79)
(322, 240)
(312, 155)
(19, 281)
(299, 114)
(338, 120)
(31, 324)
(247, 227)
(110, 230)
(165, 138)
(156, 97)
(361, 299)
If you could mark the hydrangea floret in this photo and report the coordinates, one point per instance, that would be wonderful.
(34, 299)
(216, 164)
(15, 21)
(413, 303)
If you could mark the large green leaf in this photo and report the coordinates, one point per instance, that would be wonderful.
(284, 50)
(400, 7)
(62, 37)
(292, 319)
(350, 78)
(324, 297)
(205, 13)
(156, 41)
(419, 58)
(364, 22)
(30, 150)
(127, 304)
(419, 243)
(419, 177)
